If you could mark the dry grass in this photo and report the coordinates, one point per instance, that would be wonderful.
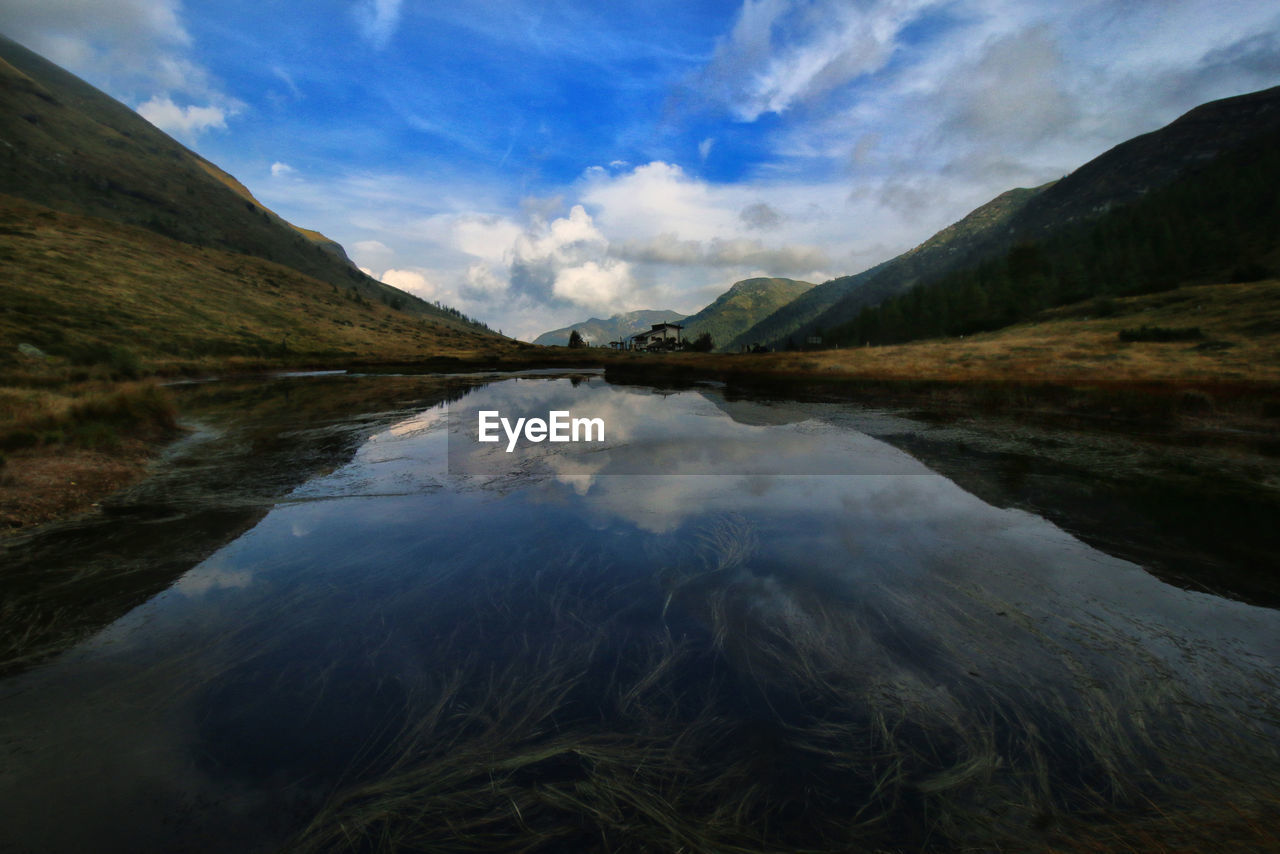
(76, 285)
(62, 450)
(1240, 322)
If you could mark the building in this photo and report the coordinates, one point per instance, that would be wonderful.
(662, 336)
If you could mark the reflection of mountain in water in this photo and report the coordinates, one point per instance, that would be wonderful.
(1201, 533)
(754, 412)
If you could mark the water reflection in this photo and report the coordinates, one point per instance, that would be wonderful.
(541, 655)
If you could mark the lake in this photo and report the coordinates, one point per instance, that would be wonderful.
(332, 620)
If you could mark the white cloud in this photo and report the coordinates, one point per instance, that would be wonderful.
(378, 20)
(704, 148)
(604, 286)
(373, 254)
(483, 281)
(412, 281)
(281, 170)
(487, 237)
(183, 122)
(655, 198)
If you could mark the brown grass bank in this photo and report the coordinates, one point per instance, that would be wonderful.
(63, 449)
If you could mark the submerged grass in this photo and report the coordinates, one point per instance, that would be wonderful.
(723, 711)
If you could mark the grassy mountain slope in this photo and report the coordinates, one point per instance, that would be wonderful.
(942, 251)
(600, 331)
(741, 307)
(69, 147)
(104, 298)
(1123, 176)
(1220, 222)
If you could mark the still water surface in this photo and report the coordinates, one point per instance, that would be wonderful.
(829, 644)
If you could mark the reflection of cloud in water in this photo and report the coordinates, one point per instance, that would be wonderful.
(201, 580)
(671, 434)
(423, 422)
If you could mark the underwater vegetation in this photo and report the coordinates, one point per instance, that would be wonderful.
(708, 708)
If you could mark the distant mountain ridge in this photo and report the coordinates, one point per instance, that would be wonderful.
(738, 309)
(1118, 177)
(948, 248)
(600, 331)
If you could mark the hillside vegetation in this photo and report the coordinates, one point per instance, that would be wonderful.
(103, 298)
(69, 147)
(790, 323)
(1219, 224)
(741, 307)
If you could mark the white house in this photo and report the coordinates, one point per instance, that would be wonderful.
(660, 336)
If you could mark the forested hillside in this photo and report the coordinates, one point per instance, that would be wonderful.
(1219, 224)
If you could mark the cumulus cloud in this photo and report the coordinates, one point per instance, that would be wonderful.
(654, 194)
(281, 170)
(184, 122)
(599, 286)
(482, 282)
(567, 260)
(412, 281)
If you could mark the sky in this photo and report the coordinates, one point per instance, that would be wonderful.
(537, 162)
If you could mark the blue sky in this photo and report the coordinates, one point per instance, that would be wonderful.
(536, 163)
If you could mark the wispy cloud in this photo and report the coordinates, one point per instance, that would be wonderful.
(378, 20)
(784, 52)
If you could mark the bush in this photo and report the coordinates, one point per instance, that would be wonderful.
(702, 344)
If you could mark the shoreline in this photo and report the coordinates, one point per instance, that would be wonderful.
(53, 482)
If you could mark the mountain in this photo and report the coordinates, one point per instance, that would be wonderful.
(100, 299)
(598, 332)
(944, 250)
(741, 307)
(70, 148)
(1103, 189)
